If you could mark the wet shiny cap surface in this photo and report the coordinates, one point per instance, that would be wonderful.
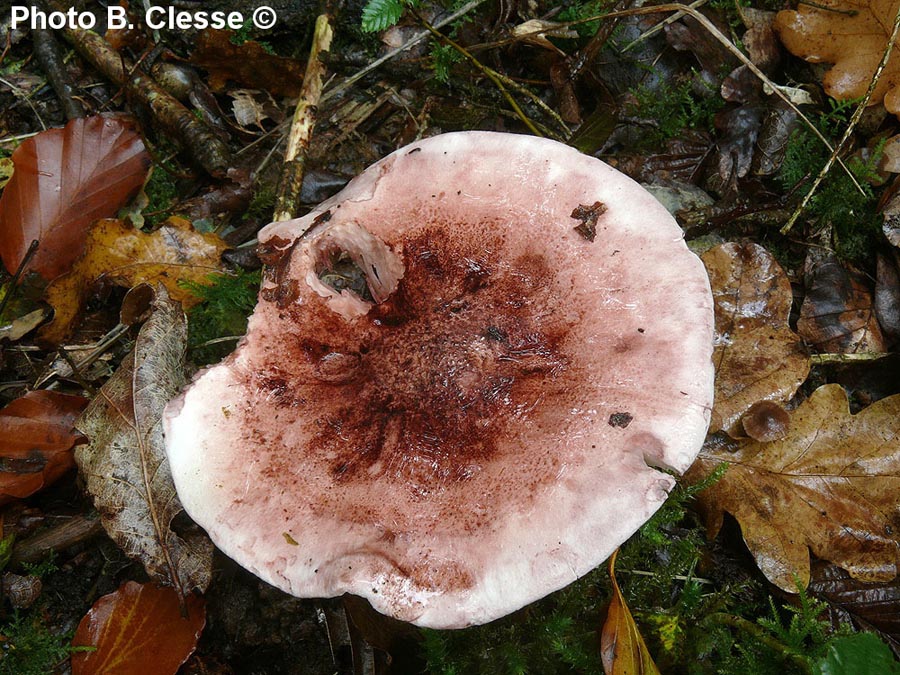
(456, 385)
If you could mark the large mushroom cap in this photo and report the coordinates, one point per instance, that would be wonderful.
(456, 384)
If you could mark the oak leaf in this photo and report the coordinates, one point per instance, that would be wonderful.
(118, 254)
(125, 466)
(138, 630)
(852, 35)
(829, 486)
(37, 434)
(757, 356)
(64, 180)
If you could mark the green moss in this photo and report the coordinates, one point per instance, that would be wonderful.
(227, 302)
(162, 192)
(29, 647)
(852, 215)
(673, 108)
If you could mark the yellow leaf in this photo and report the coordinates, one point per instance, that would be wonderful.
(120, 255)
(622, 649)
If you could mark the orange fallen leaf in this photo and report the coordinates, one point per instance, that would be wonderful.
(852, 35)
(64, 180)
(118, 254)
(37, 433)
(830, 486)
(622, 648)
(757, 356)
(138, 630)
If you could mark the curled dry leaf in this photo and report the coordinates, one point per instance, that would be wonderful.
(37, 433)
(120, 255)
(64, 180)
(622, 647)
(125, 466)
(852, 35)
(138, 630)
(830, 485)
(887, 294)
(838, 313)
(757, 356)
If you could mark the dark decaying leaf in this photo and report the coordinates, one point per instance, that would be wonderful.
(838, 312)
(37, 433)
(829, 486)
(64, 180)
(622, 648)
(887, 295)
(739, 128)
(247, 64)
(871, 606)
(771, 144)
(757, 356)
(138, 630)
(125, 466)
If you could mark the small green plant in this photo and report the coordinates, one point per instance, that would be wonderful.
(579, 11)
(673, 108)
(379, 15)
(29, 647)
(442, 59)
(227, 302)
(161, 191)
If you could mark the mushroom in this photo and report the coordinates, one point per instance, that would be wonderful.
(459, 385)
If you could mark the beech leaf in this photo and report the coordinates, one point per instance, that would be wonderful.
(829, 486)
(125, 465)
(757, 356)
(118, 254)
(64, 180)
(138, 630)
(852, 35)
(37, 433)
(622, 648)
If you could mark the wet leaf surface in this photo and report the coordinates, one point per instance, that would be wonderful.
(64, 180)
(37, 434)
(852, 35)
(119, 255)
(757, 356)
(870, 606)
(861, 654)
(125, 466)
(838, 311)
(622, 648)
(138, 630)
(829, 486)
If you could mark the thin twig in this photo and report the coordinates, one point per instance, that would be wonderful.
(414, 40)
(304, 122)
(492, 75)
(20, 270)
(854, 120)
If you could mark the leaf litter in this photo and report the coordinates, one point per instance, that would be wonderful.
(729, 158)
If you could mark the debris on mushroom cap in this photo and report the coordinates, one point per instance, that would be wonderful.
(459, 376)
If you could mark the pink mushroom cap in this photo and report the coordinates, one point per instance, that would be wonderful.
(485, 422)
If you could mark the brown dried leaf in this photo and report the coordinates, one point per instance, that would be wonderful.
(852, 35)
(829, 486)
(37, 434)
(757, 356)
(120, 255)
(874, 607)
(247, 64)
(622, 648)
(138, 630)
(837, 314)
(125, 466)
(64, 180)
(887, 294)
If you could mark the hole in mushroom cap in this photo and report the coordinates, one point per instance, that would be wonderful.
(352, 269)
